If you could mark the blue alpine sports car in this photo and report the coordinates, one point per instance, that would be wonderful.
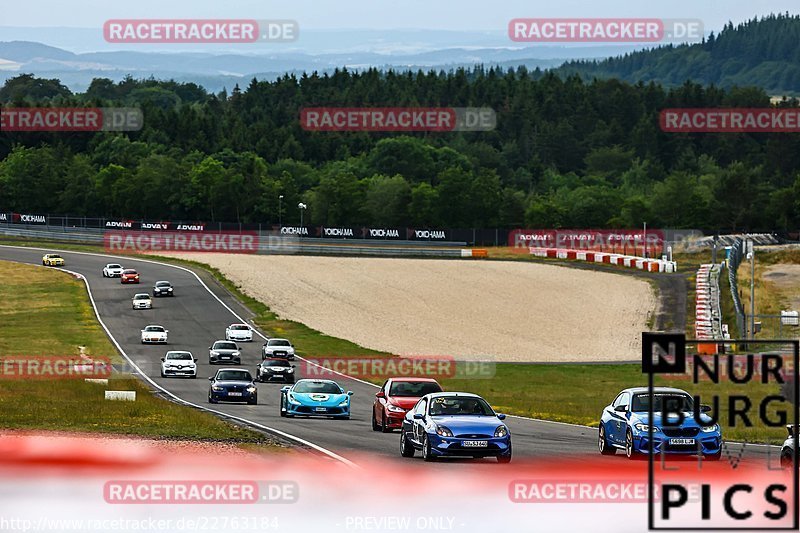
(625, 425)
(315, 397)
(454, 424)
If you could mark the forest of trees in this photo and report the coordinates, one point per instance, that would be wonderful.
(761, 52)
(565, 153)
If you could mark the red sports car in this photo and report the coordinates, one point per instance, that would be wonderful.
(129, 275)
(396, 397)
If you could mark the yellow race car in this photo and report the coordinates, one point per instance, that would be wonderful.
(52, 260)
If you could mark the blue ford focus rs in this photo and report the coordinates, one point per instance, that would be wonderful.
(457, 424)
(315, 397)
(625, 425)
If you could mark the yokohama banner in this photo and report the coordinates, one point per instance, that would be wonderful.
(27, 218)
(623, 241)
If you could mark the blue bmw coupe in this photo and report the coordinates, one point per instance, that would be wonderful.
(454, 424)
(625, 425)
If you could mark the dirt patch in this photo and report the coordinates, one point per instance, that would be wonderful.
(785, 278)
(507, 311)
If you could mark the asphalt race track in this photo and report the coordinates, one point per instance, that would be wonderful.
(195, 319)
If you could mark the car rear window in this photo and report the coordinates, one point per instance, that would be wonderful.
(413, 388)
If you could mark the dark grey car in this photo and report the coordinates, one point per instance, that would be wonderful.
(224, 352)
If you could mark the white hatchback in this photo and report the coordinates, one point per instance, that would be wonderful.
(112, 270)
(142, 301)
(154, 333)
(238, 332)
(178, 364)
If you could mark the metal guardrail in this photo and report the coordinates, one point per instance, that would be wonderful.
(304, 246)
(735, 258)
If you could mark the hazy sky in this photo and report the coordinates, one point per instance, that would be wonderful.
(379, 14)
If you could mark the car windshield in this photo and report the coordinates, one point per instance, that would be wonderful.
(55, 256)
(641, 402)
(114, 266)
(154, 328)
(325, 387)
(413, 388)
(234, 375)
(141, 297)
(455, 406)
(275, 362)
(224, 346)
(162, 284)
(129, 272)
(180, 356)
(239, 327)
(279, 342)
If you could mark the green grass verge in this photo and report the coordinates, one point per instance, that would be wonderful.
(574, 393)
(47, 312)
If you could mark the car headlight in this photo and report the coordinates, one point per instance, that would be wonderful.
(169, 289)
(644, 428)
(290, 371)
(709, 429)
(235, 354)
(216, 388)
(501, 431)
(443, 431)
(291, 399)
(214, 352)
(394, 408)
(344, 403)
(251, 389)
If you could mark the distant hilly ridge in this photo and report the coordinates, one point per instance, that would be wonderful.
(761, 52)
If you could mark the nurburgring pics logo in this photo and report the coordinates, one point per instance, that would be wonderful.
(729, 120)
(70, 119)
(172, 31)
(604, 30)
(435, 119)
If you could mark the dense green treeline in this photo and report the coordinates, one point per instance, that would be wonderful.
(760, 52)
(565, 153)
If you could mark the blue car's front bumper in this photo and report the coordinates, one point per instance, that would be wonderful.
(316, 410)
(454, 446)
(709, 443)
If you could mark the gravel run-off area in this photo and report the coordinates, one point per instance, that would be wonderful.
(470, 310)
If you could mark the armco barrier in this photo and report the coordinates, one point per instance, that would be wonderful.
(629, 261)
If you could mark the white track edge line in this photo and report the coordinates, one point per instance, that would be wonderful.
(147, 378)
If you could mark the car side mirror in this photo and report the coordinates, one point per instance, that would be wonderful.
(419, 416)
(286, 388)
(349, 393)
(621, 408)
(292, 366)
(501, 416)
(211, 379)
(705, 408)
(162, 358)
(380, 394)
(166, 331)
(195, 360)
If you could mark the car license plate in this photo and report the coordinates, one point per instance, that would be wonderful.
(320, 409)
(234, 394)
(226, 356)
(681, 441)
(475, 444)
